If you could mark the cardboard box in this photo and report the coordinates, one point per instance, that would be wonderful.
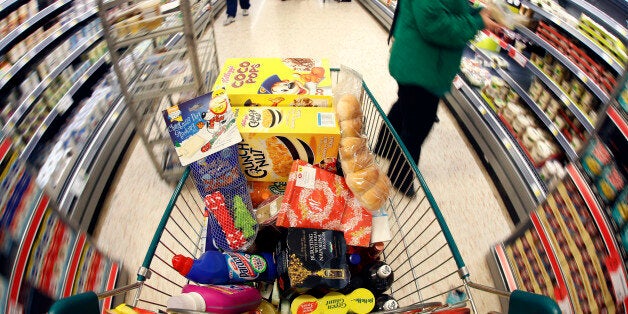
(299, 82)
(274, 137)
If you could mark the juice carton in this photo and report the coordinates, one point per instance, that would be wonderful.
(299, 82)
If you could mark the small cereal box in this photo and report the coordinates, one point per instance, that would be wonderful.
(202, 126)
(299, 82)
(274, 137)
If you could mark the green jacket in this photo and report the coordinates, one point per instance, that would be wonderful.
(430, 37)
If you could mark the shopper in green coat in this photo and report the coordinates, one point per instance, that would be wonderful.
(429, 38)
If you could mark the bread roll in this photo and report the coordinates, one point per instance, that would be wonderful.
(348, 107)
(356, 162)
(351, 128)
(362, 180)
(354, 146)
(375, 197)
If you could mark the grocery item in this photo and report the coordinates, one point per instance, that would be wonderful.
(261, 191)
(127, 309)
(595, 157)
(610, 183)
(231, 229)
(316, 198)
(620, 208)
(218, 268)
(267, 213)
(274, 137)
(379, 277)
(231, 299)
(385, 302)
(202, 126)
(358, 301)
(299, 82)
(311, 258)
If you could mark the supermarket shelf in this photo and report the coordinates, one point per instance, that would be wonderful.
(383, 13)
(551, 255)
(72, 268)
(5, 5)
(26, 244)
(500, 269)
(597, 91)
(28, 100)
(88, 178)
(5, 43)
(43, 45)
(618, 120)
(560, 138)
(602, 18)
(60, 108)
(517, 176)
(4, 148)
(603, 226)
(617, 66)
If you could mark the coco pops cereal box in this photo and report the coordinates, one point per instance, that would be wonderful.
(273, 137)
(273, 82)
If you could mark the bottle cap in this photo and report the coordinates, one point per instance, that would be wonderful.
(354, 259)
(360, 301)
(182, 264)
(187, 301)
(390, 305)
(384, 271)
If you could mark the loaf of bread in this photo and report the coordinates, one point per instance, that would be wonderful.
(362, 180)
(348, 107)
(351, 127)
(375, 197)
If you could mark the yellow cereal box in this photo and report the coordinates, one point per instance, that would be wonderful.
(298, 82)
(275, 136)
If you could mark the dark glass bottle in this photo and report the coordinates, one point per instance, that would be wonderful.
(379, 277)
(385, 303)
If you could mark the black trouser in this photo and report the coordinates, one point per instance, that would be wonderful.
(412, 116)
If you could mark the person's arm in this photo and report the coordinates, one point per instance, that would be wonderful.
(439, 26)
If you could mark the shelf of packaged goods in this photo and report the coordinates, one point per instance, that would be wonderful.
(382, 12)
(554, 264)
(5, 43)
(505, 270)
(597, 91)
(26, 244)
(615, 64)
(602, 18)
(200, 19)
(28, 101)
(618, 120)
(72, 267)
(614, 265)
(64, 103)
(20, 64)
(4, 5)
(549, 125)
(512, 166)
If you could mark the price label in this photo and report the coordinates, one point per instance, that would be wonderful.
(79, 183)
(583, 77)
(483, 109)
(507, 143)
(20, 63)
(607, 58)
(457, 81)
(518, 57)
(564, 99)
(554, 130)
(536, 190)
(555, 20)
(64, 103)
(47, 81)
(58, 33)
(23, 27)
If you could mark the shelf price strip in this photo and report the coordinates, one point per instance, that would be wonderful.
(506, 271)
(618, 120)
(564, 302)
(111, 283)
(616, 271)
(22, 257)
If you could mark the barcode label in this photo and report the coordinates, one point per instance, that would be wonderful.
(326, 119)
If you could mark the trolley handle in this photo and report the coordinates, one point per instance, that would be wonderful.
(522, 302)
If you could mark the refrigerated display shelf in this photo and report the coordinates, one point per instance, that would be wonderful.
(602, 18)
(518, 176)
(615, 257)
(43, 45)
(560, 138)
(59, 109)
(615, 64)
(6, 42)
(597, 91)
(383, 13)
(28, 101)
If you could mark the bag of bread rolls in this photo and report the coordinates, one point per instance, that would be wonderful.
(351, 127)
(374, 198)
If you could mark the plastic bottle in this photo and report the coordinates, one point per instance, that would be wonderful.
(231, 299)
(359, 301)
(385, 303)
(379, 277)
(219, 268)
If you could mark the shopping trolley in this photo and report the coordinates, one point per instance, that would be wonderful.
(422, 252)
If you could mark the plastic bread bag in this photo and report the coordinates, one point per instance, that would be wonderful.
(221, 183)
(349, 83)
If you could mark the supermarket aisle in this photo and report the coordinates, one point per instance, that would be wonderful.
(346, 34)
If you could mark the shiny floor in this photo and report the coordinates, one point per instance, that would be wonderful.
(347, 34)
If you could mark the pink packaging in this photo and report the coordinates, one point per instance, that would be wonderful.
(227, 299)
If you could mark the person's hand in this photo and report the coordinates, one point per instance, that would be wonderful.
(489, 24)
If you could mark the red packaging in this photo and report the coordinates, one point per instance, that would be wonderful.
(318, 199)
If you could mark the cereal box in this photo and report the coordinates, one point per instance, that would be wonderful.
(300, 82)
(201, 126)
(274, 137)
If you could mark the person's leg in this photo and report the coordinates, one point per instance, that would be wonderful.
(245, 4)
(232, 7)
(418, 114)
